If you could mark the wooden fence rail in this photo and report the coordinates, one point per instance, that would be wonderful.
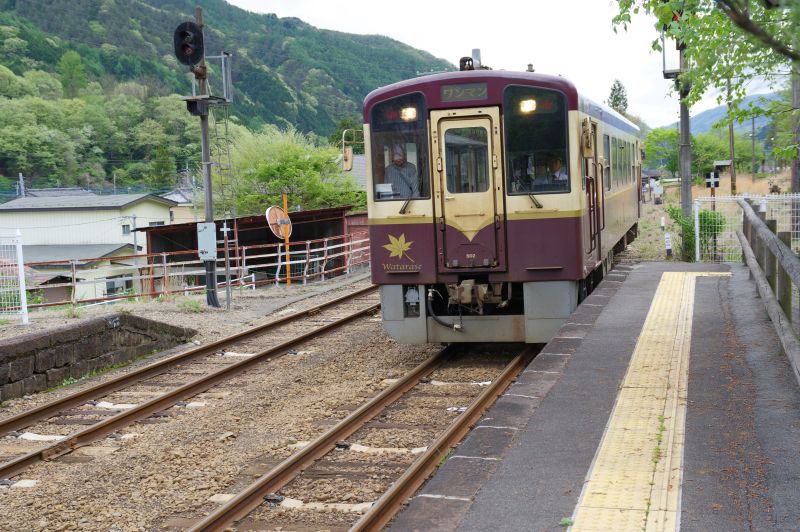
(775, 269)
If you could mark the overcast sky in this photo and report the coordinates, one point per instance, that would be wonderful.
(571, 38)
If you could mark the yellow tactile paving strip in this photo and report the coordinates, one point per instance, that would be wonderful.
(635, 479)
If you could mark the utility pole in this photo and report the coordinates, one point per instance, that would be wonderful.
(21, 185)
(135, 239)
(753, 143)
(684, 154)
(796, 127)
(136, 252)
(731, 151)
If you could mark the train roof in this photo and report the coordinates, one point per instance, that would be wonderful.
(496, 81)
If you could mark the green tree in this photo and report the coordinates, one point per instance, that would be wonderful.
(47, 85)
(13, 86)
(147, 137)
(274, 161)
(707, 148)
(661, 149)
(162, 178)
(618, 98)
(38, 151)
(73, 73)
(743, 146)
(726, 41)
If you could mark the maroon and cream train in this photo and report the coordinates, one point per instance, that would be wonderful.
(496, 202)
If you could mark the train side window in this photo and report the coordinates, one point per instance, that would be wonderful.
(536, 140)
(625, 165)
(399, 154)
(614, 162)
(607, 161)
(631, 156)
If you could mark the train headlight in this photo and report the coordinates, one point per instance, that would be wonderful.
(408, 113)
(527, 106)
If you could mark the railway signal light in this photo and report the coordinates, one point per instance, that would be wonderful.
(188, 41)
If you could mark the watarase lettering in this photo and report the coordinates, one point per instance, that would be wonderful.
(401, 267)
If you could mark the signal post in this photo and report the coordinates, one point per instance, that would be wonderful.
(189, 50)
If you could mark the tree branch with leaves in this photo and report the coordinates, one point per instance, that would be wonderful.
(724, 41)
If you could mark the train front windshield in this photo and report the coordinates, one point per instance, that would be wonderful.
(400, 149)
(536, 141)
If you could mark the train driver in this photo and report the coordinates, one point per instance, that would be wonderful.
(555, 172)
(402, 174)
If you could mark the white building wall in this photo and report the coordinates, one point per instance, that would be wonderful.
(67, 227)
(81, 227)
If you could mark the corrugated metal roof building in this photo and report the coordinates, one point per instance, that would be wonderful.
(83, 220)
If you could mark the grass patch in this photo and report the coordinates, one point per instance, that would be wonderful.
(4, 322)
(444, 458)
(657, 454)
(94, 373)
(566, 521)
(192, 306)
(72, 312)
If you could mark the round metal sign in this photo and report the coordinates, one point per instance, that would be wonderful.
(277, 220)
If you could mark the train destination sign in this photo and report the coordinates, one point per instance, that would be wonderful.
(464, 92)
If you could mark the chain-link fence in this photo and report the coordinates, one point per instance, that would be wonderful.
(13, 298)
(716, 221)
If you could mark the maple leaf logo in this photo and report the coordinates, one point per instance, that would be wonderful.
(398, 247)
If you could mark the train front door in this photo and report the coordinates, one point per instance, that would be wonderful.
(468, 189)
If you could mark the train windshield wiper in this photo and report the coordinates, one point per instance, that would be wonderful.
(412, 193)
(535, 201)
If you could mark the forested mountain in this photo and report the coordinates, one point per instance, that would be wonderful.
(87, 87)
(284, 69)
(704, 121)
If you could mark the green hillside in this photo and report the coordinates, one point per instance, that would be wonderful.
(284, 69)
(88, 89)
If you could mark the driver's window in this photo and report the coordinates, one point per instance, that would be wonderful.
(399, 149)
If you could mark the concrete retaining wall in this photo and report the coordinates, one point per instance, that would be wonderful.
(42, 360)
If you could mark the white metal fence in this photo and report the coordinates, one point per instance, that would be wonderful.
(94, 280)
(13, 298)
(716, 221)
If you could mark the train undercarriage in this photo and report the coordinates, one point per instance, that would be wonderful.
(476, 310)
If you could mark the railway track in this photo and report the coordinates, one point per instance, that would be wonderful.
(103, 410)
(331, 464)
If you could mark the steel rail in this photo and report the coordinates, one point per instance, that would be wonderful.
(252, 496)
(157, 404)
(385, 508)
(29, 417)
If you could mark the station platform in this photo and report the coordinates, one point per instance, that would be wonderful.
(663, 403)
